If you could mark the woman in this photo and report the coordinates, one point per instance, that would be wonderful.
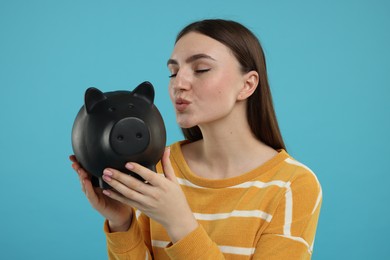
(230, 190)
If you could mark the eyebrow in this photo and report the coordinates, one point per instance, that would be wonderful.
(191, 59)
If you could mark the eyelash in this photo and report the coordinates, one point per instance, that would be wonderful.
(202, 71)
(196, 71)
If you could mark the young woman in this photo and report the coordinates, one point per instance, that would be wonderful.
(230, 190)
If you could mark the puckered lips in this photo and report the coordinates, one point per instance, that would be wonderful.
(181, 104)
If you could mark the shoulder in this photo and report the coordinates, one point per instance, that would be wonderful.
(297, 176)
(303, 183)
(284, 167)
(300, 172)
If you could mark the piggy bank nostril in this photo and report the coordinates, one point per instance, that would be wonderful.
(111, 109)
(131, 105)
(135, 133)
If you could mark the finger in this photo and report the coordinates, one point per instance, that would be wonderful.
(167, 166)
(118, 197)
(90, 192)
(127, 180)
(83, 175)
(148, 175)
(121, 187)
(72, 158)
(82, 183)
(76, 166)
(75, 163)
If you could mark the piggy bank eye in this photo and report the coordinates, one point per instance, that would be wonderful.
(111, 109)
(131, 105)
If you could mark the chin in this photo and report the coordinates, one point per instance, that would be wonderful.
(185, 124)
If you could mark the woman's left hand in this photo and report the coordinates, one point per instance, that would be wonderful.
(161, 198)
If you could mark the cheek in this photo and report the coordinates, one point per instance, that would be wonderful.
(219, 95)
(226, 84)
(224, 94)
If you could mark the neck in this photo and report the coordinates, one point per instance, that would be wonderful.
(225, 142)
(229, 148)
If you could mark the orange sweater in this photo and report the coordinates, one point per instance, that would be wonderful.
(270, 212)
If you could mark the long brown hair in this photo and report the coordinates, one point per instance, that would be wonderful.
(249, 53)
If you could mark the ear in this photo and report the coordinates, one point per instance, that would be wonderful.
(251, 80)
(92, 97)
(145, 90)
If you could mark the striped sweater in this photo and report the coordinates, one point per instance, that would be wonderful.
(270, 212)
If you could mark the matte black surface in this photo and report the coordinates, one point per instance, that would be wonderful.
(114, 128)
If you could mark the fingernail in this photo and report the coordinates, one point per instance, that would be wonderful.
(106, 192)
(129, 166)
(106, 178)
(107, 172)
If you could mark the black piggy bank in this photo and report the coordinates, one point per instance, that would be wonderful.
(113, 128)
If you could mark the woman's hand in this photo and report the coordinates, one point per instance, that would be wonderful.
(160, 197)
(118, 214)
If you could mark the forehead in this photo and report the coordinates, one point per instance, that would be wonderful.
(196, 43)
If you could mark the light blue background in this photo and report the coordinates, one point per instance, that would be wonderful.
(329, 70)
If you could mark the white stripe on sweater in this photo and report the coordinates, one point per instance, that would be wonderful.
(288, 215)
(186, 182)
(137, 213)
(160, 243)
(224, 249)
(300, 240)
(237, 250)
(235, 213)
(260, 184)
(294, 162)
(257, 184)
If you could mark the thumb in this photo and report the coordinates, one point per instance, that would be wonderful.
(167, 166)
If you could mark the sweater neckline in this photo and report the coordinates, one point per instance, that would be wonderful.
(178, 156)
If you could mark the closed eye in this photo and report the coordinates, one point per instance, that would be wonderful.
(202, 71)
(196, 71)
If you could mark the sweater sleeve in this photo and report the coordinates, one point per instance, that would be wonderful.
(196, 245)
(291, 232)
(132, 244)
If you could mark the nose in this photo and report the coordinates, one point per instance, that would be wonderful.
(181, 81)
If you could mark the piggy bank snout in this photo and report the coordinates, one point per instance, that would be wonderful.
(129, 136)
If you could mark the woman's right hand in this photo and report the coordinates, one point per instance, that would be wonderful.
(119, 215)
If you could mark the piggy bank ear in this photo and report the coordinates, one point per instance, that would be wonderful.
(92, 97)
(145, 90)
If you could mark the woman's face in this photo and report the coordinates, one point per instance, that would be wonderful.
(205, 80)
